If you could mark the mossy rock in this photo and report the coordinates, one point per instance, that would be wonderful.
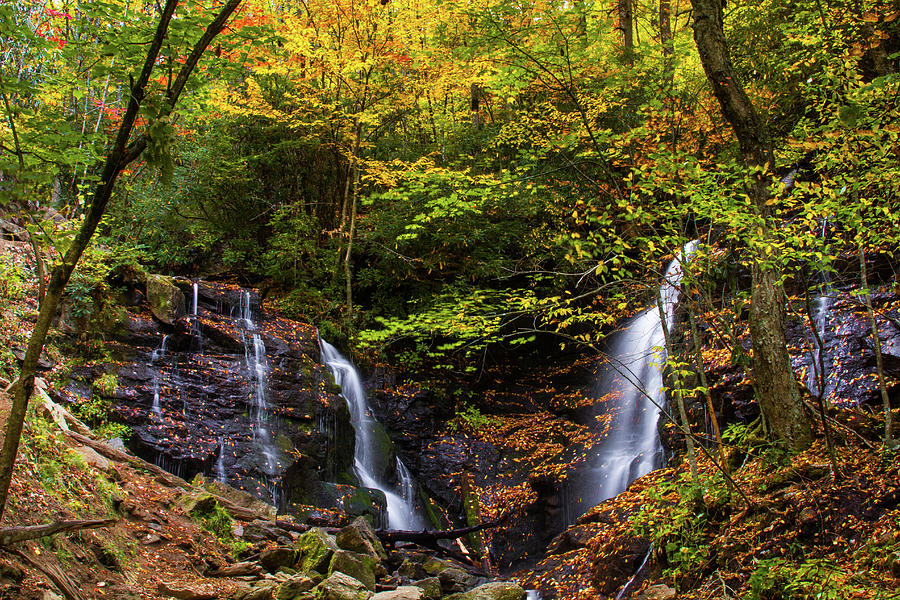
(430, 586)
(498, 590)
(367, 502)
(434, 566)
(340, 586)
(197, 505)
(360, 537)
(316, 548)
(359, 566)
(165, 298)
(297, 586)
(383, 457)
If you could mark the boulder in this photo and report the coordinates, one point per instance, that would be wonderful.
(656, 592)
(261, 590)
(316, 549)
(404, 592)
(434, 566)
(237, 497)
(165, 299)
(430, 586)
(341, 587)
(360, 537)
(92, 458)
(413, 570)
(259, 531)
(196, 505)
(497, 590)
(274, 559)
(456, 580)
(359, 566)
(297, 585)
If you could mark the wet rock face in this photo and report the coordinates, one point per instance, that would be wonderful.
(849, 350)
(190, 393)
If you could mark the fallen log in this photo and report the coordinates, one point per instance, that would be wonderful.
(426, 536)
(69, 589)
(238, 512)
(236, 570)
(12, 535)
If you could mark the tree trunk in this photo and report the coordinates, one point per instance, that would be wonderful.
(120, 156)
(679, 398)
(876, 342)
(775, 385)
(348, 265)
(626, 25)
(665, 39)
(701, 373)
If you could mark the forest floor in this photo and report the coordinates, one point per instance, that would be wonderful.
(801, 529)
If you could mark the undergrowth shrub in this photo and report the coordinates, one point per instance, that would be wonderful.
(62, 473)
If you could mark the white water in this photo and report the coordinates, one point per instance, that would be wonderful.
(255, 359)
(400, 503)
(220, 462)
(155, 356)
(633, 385)
(821, 305)
(196, 288)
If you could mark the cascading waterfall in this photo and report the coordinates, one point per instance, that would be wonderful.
(220, 462)
(255, 360)
(402, 512)
(632, 385)
(155, 356)
(820, 308)
(196, 290)
(821, 305)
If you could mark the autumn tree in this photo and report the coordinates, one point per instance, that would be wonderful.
(124, 150)
(774, 380)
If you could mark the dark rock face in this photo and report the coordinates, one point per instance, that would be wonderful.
(190, 392)
(849, 350)
(439, 458)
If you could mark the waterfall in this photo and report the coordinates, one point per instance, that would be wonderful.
(820, 307)
(154, 356)
(255, 360)
(632, 387)
(400, 503)
(196, 289)
(220, 462)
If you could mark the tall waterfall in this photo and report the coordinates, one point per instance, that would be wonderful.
(632, 385)
(400, 502)
(255, 360)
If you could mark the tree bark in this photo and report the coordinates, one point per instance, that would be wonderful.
(774, 380)
(626, 25)
(665, 40)
(121, 154)
(14, 535)
(876, 343)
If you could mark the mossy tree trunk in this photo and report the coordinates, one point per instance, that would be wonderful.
(774, 381)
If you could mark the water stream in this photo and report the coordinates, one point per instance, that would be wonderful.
(155, 356)
(631, 388)
(367, 454)
(255, 359)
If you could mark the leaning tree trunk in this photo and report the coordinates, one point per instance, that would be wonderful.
(121, 154)
(775, 385)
